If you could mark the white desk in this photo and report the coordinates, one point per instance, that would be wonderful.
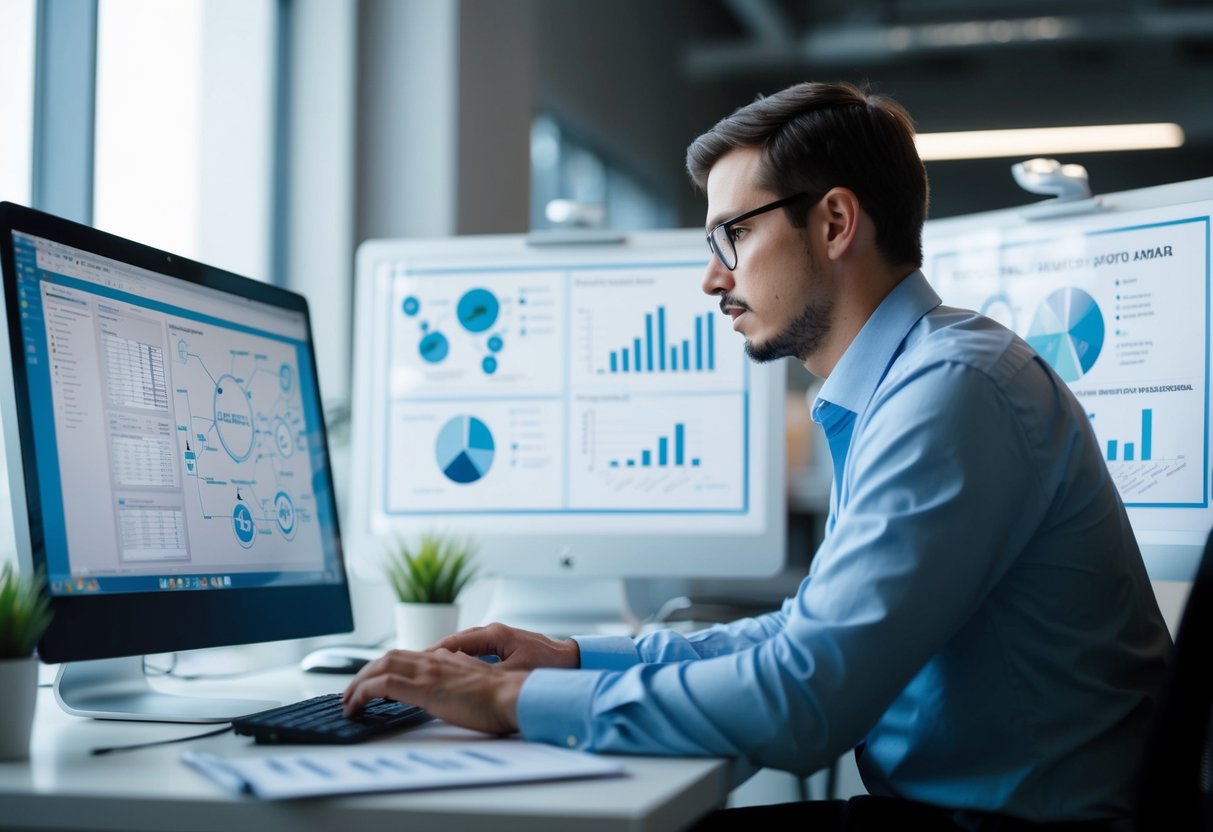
(62, 786)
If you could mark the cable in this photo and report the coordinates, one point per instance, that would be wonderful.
(235, 674)
(136, 746)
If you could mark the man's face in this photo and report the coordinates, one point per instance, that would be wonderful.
(777, 297)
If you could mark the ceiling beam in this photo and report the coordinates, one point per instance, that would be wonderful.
(850, 43)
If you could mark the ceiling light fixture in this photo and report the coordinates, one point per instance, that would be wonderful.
(1051, 141)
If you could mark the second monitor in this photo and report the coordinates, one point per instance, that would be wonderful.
(582, 411)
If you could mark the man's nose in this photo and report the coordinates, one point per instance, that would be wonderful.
(717, 279)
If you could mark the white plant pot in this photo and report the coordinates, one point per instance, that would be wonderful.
(18, 695)
(420, 625)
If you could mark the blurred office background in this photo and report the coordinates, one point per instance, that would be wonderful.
(271, 137)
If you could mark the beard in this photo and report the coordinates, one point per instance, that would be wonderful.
(800, 339)
(805, 334)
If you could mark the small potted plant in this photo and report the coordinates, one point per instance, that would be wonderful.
(427, 579)
(24, 614)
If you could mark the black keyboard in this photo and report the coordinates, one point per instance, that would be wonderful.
(320, 720)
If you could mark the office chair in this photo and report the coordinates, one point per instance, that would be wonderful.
(1176, 783)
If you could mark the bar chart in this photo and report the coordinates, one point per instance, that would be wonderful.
(1131, 451)
(664, 455)
(1156, 453)
(657, 451)
(655, 351)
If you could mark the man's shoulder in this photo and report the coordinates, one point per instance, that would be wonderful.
(958, 357)
(950, 336)
(968, 369)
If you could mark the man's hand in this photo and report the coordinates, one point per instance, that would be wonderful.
(517, 649)
(453, 687)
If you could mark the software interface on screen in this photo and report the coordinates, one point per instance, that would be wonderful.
(1119, 306)
(180, 452)
(574, 397)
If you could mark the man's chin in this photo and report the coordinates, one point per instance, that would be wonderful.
(761, 353)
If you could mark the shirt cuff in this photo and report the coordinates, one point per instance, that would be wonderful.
(554, 706)
(607, 652)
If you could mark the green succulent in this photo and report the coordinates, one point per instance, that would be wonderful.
(432, 572)
(25, 612)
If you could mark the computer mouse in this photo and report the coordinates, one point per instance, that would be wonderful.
(339, 659)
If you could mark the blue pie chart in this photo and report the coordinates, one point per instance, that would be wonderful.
(1068, 330)
(464, 449)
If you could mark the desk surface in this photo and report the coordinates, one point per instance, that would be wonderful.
(63, 786)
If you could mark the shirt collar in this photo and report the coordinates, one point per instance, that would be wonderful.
(867, 359)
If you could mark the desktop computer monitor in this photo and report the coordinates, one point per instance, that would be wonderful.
(167, 460)
(1115, 294)
(582, 410)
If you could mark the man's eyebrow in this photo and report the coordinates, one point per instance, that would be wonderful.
(717, 220)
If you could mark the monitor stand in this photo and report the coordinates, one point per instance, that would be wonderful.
(118, 689)
(562, 607)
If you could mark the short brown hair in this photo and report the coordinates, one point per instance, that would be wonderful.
(817, 136)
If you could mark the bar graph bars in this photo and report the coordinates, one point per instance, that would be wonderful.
(653, 353)
(680, 458)
(1132, 451)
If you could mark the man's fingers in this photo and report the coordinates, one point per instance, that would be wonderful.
(495, 639)
(475, 641)
(371, 668)
(393, 676)
(357, 696)
(451, 686)
(461, 658)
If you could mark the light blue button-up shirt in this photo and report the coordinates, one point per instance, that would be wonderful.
(977, 620)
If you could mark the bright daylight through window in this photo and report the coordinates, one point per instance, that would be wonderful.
(184, 127)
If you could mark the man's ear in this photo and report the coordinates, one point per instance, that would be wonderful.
(842, 216)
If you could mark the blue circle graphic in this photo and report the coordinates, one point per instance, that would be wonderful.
(495, 343)
(234, 418)
(284, 440)
(489, 364)
(411, 306)
(434, 347)
(464, 449)
(243, 526)
(284, 513)
(477, 310)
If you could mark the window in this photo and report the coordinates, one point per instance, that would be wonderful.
(185, 108)
(17, 25)
(17, 22)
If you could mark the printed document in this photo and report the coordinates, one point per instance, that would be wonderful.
(381, 767)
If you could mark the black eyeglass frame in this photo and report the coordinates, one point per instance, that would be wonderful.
(715, 247)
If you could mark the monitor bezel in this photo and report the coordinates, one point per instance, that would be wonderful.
(87, 627)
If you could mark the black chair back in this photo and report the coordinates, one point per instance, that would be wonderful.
(1176, 787)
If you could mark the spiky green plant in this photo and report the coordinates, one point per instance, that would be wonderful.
(432, 572)
(24, 614)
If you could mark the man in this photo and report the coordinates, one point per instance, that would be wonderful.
(977, 623)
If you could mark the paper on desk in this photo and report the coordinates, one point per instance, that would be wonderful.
(397, 767)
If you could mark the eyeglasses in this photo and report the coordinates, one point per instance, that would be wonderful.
(720, 240)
